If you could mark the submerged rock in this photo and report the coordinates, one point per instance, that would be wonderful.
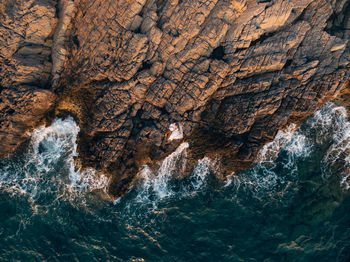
(230, 73)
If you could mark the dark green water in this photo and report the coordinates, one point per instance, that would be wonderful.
(293, 205)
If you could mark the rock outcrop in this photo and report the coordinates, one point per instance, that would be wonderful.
(26, 30)
(231, 73)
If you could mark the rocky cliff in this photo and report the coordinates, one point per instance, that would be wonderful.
(230, 72)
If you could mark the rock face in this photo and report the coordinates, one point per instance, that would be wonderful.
(230, 72)
(26, 30)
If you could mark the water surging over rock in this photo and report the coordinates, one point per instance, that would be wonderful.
(167, 181)
(48, 165)
(276, 173)
(334, 120)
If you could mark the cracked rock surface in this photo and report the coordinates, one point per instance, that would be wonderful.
(26, 30)
(230, 72)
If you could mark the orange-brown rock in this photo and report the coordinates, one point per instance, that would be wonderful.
(21, 109)
(26, 30)
(238, 70)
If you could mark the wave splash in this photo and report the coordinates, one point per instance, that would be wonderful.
(157, 184)
(166, 181)
(276, 172)
(291, 140)
(48, 166)
(333, 130)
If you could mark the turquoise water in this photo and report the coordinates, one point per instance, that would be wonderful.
(292, 205)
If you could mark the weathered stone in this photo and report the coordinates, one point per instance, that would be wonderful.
(26, 32)
(21, 109)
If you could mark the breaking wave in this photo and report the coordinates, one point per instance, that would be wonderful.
(48, 165)
(333, 127)
(168, 180)
(157, 183)
(291, 140)
(275, 174)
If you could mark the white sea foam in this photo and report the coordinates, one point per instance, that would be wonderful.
(200, 172)
(48, 166)
(198, 179)
(291, 140)
(156, 183)
(269, 177)
(331, 124)
(328, 127)
(262, 179)
(230, 179)
(164, 182)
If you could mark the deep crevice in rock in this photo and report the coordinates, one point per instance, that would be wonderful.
(262, 38)
(160, 6)
(137, 30)
(336, 24)
(288, 63)
(263, 1)
(146, 65)
(76, 41)
(218, 53)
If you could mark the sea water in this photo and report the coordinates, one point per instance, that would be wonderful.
(291, 205)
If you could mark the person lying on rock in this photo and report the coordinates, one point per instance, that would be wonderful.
(172, 128)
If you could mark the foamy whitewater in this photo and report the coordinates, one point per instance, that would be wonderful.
(49, 159)
(291, 205)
